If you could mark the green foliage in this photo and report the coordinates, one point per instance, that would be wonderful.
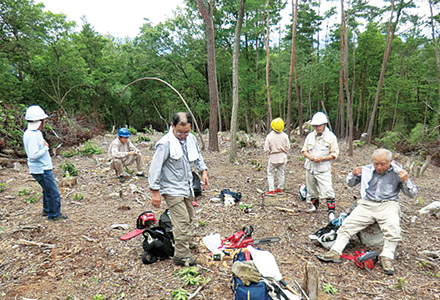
(2, 187)
(400, 283)
(68, 153)
(191, 276)
(89, 149)
(23, 192)
(418, 135)
(78, 197)
(132, 130)
(202, 223)
(328, 288)
(11, 124)
(98, 297)
(390, 139)
(358, 143)
(33, 199)
(180, 294)
(142, 138)
(419, 201)
(69, 169)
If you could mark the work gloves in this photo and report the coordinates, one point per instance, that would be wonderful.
(246, 271)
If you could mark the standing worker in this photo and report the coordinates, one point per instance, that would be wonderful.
(320, 147)
(40, 162)
(122, 153)
(276, 146)
(170, 176)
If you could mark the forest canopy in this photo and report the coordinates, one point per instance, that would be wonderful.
(46, 60)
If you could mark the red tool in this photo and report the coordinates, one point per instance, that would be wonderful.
(144, 221)
(362, 259)
(243, 238)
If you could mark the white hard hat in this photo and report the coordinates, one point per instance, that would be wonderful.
(35, 113)
(319, 118)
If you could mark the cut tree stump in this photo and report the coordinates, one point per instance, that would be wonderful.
(69, 182)
(371, 236)
(311, 281)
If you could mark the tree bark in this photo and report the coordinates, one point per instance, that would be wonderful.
(389, 41)
(235, 83)
(208, 18)
(266, 42)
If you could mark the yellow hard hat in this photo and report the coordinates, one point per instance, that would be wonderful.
(277, 124)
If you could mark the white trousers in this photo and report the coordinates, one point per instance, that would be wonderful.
(279, 169)
(319, 184)
(386, 214)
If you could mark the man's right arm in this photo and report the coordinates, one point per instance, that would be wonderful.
(354, 177)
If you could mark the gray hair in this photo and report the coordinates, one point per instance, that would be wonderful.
(382, 152)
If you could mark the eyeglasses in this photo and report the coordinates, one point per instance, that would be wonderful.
(182, 133)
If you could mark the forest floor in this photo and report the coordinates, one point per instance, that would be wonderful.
(83, 257)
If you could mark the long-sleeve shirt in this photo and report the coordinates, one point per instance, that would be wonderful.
(277, 146)
(379, 187)
(38, 157)
(320, 145)
(120, 150)
(173, 176)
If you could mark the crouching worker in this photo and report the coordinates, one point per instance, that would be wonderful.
(122, 153)
(170, 176)
(40, 163)
(381, 183)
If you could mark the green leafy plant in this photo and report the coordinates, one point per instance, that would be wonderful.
(132, 130)
(419, 201)
(390, 139)
(358, 143)
(142, 138)
(78, 197)
(68, 153)
(149, 130)
(89, 149)
(33, 199)
(23, 192)
(328, 288)
(180, 294)
(400, 283)
(202, 223)
(2, 187)
(191, 276)
(98, 297)
(69, 169)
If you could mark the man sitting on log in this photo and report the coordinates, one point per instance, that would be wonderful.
(381, 183)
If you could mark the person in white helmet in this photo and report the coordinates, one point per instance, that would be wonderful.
(276, 146)
(320, 147)
(40, 162)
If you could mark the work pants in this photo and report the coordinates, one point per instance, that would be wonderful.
(181, 215)
(118, 164)
(386, 214)
(279, 170)
(319, 184)
(51, 195)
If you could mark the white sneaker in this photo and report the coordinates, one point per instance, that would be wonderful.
(312, 209)
(331, 216)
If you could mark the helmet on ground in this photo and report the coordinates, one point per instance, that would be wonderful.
(277, 124)
(319, 118)
(123, 132)
(35, 113)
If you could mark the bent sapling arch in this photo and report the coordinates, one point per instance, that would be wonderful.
(181, 98)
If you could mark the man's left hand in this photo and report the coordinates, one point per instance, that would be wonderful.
(205, 179)
(403, 175)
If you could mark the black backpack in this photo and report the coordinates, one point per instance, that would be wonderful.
(197, 185)
(158, 241)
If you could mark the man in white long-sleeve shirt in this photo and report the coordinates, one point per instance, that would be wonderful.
(381, 183)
